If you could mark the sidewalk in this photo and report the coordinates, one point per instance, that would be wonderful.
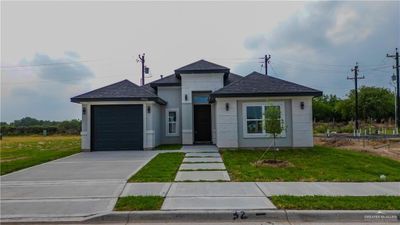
(250, 195)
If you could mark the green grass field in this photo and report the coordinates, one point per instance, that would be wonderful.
(337, 202)
(25, 151)
(314, 164)
(161, 168)
(135, 203)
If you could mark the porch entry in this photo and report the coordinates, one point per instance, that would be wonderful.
(202, 124)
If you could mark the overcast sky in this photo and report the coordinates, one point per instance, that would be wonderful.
(311, 43)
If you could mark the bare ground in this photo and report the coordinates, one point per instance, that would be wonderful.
(386, 148)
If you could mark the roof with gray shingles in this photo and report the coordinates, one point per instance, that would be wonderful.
(120, 91)
(257, 84)
(172, 80)
(202, 66)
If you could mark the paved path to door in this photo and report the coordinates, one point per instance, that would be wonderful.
(76, 186)
(202, 163)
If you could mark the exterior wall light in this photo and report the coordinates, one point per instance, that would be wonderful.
(83, 110)
(186, 98)
(227, 106)
(301, 105)
(148, 109)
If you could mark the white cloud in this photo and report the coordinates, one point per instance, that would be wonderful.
(349, 27)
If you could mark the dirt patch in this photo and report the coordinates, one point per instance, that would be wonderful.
(13, 159)
(273, 163)
(386, 148)
(337, 142)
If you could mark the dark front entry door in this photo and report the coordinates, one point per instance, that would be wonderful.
(202, 124)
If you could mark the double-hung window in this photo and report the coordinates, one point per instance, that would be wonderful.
(172, 122)
(253, 118)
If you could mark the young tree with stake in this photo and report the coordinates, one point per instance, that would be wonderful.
(273, 123)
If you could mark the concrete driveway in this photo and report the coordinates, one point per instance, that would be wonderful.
(80, 185)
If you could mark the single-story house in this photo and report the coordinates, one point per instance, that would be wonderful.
(201, 103)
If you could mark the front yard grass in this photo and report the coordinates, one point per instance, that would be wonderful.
(161, 168)
(337, 202)
(20, 152)
(313, 164)
(135, 203)
(169, 147)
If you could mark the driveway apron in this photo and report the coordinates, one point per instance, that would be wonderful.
(80, 185)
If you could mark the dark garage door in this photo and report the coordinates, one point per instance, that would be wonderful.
(117, 127)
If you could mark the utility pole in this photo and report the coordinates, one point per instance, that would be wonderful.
(393, 83)
(396, 56)
(356, 78)
(142, 60)
(266, 62)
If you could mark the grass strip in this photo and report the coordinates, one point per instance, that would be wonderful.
(136, 203)
(203, 170)
(169, 147)
(337, 202)
(162, 168)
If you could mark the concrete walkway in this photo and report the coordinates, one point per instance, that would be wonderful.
(202, 163)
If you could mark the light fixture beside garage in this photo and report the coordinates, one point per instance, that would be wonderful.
(301, 105)
(186, 98)
(148, 109)
(83, 110)
(227, 106)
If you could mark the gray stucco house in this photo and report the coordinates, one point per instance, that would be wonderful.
(201, 103)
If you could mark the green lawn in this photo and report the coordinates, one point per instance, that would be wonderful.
(24, 151)
(134, 203)
(161, 168)
(169, 147)
(337, 202)
(313, 164)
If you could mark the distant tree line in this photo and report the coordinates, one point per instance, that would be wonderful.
(29, 126)
(375, 105)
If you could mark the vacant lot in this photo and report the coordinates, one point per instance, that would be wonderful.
(386, 148)
(24, 151)
(314, 164)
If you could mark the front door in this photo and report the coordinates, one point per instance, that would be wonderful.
(202, 124)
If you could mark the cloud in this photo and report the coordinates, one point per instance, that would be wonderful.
(43, 90)
(319, 44)
(65, 69)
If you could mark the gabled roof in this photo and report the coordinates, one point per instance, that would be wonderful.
(202, 66)
(170, 80)
(232, 78)
(257, 84)
(120, 91)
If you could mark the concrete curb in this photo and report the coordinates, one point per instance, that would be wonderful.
(255, 215)
(363, 216)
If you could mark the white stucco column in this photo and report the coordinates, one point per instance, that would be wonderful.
(302, 122)
(227, 123)
(85, 133)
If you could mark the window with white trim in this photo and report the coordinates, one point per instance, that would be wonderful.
(172, 122)
(253, 118)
